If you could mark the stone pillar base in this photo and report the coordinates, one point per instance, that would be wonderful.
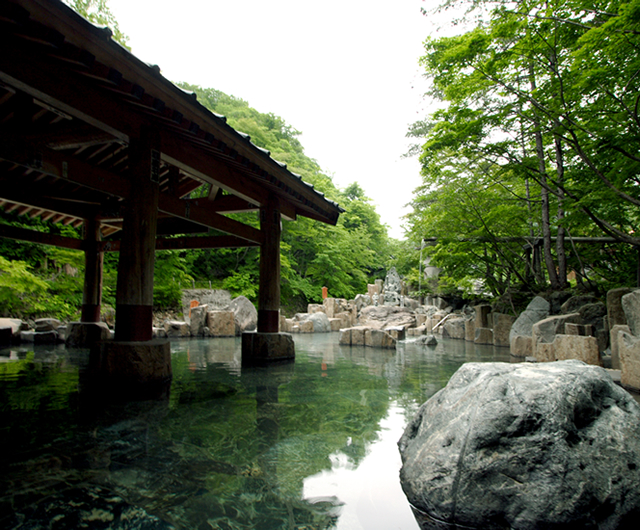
(86, 334)
(131, 365)
(266, 348)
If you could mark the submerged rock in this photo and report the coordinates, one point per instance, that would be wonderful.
(526, 446)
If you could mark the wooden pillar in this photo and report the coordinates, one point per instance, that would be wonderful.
(269, 290)
(93, 260)
(134, 294)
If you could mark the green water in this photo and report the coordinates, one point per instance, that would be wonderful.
(310, 445)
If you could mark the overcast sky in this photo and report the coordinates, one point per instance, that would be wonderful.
(343, 72)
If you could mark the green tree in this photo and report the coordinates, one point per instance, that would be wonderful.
(98, 12)
(541, 93)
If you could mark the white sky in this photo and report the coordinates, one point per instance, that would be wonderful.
(343, 72)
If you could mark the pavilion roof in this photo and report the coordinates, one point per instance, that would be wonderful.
(71, 100)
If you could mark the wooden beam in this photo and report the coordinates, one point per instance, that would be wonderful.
(23, 234)
(59, 165)
(199, 213)
(229, 204)
(536, 240)
(28, 69)
(201, 163)
(185, 243)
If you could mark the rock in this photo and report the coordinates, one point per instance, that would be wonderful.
(420, 319)
(574, 303)
(221, 323)
(502, 328)
(335, 323)
(353, 336)
(411, 303)
(320, 323)
(14, 324)
(381, 317)
(576, 347)
(45, 337)
(544, 353)
(556, 299)
(595, 315)
(6, 336)
(482, 314)
(245, 315)
(108, 316)
(526, 446)
(47, 324)
(305, 326)
(329, 305)
(537, 309)
(454, 328)
(160, 333)
(315, 308)
(484, 336)
(361, 301)
(615, 313)
(27, 336)
(521, 346)
(263, 348)
(198, 320)
(417, 332)
(615, 338)
(631, 308)
(428, 340)
(177, 329)
(629, 352)
(82, 334)
(470, 330)
(345, 318)
(398, 333)
(376, 338)
(345, 337)
(583, 330)
(216, 299)
(546, 329)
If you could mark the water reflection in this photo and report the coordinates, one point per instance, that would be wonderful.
(305, 445)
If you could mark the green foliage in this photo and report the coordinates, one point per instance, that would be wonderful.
(170, 274)
(98, 12)
(242, 283)
(538, 99)
(343, 258)
(19, 288)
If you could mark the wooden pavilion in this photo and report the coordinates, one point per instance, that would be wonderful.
(92, 136)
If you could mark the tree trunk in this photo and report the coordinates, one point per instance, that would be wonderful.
(562, 256)
(544, 194)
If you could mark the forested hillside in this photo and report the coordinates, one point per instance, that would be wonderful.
(40, 280)
(533, 151)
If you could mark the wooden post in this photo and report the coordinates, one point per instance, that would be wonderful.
(93, 260)
(134, 293)
(269, 290)
(268, 345)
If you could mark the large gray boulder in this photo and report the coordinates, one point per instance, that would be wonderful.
(320, 322)
(537, 309)
(381, 317)
(526, 446)
(631, 308)
(245, 314)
